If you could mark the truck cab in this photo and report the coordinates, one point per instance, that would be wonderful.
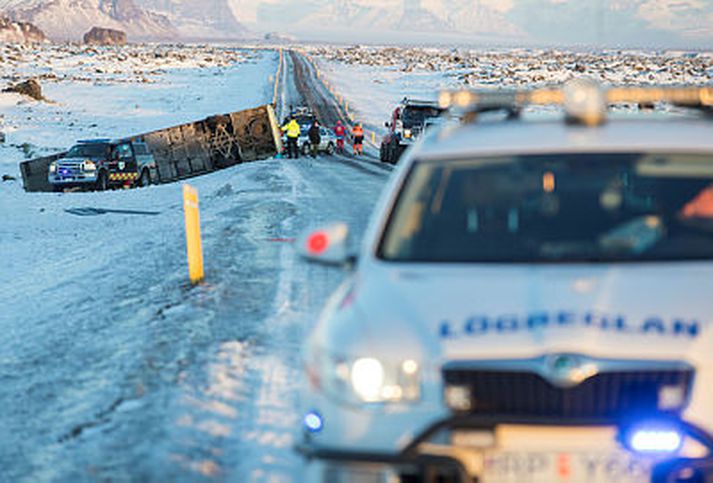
(406, 125)
(101, 164)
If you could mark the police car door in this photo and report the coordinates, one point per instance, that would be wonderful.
(126, 160)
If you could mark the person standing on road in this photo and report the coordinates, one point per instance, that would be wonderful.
(358, 135)
(341, 134)
(315, 138)
(292, 129)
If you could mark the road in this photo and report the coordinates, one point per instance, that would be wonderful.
(124, 372)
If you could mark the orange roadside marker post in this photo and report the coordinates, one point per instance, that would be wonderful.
(194, 247)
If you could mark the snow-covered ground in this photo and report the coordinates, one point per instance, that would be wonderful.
(112, 367)
(375, 79)
(114, 92)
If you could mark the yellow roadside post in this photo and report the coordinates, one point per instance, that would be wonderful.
(194, 246)
(373, 137)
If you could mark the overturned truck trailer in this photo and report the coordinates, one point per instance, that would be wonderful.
(191, 149)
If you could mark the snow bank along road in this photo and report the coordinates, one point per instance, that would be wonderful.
(112, 368)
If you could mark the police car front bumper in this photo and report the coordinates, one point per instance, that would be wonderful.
(424, 456)
(67, 177)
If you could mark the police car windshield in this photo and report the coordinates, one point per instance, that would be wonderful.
(92, 150)
(555, 208)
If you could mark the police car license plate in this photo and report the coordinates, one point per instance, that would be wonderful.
(548, 467)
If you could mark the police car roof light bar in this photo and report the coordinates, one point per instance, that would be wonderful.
(93, 141)
(583, 99)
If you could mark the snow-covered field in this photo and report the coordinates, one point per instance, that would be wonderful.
(375, 79)
(114, 92)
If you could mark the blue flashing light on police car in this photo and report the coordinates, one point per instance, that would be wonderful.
(313, 422)
(654, 438)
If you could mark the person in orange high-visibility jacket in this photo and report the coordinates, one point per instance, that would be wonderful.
(358, 136)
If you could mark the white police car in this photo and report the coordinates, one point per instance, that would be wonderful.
(532, 302)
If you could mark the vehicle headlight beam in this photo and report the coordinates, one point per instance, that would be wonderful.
(367, 378)
(370, 380)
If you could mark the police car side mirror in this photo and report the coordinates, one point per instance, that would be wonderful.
(387, 124)
(328, 245)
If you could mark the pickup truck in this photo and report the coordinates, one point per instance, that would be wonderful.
(101, 164)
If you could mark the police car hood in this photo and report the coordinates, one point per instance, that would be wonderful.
(633, 311)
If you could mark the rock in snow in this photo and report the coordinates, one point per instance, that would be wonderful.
(30, 88)
(104, 36)
(19, 32)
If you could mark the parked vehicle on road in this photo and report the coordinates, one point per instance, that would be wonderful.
(406, 125)
(303, 115)
(531, 302)
(327, 144)
(102, 164)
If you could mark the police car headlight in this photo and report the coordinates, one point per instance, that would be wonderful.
(53, 167)
(89, 166)
(408, 133)
(370, 380)
(367, 379)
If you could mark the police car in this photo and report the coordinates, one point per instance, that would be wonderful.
(532, 302)
(101, 164)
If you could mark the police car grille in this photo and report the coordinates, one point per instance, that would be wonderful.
(606, 397)
(70, 168)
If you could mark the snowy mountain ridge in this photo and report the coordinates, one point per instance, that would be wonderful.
(449, 16)
(148, 19)
(613, 22)
(70, 19)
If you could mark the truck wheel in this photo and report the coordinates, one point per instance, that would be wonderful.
(102, 182)
(145, 178)
(330, 149)
(398, 152)
(390, 154)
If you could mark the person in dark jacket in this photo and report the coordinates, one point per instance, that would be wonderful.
(314, 138)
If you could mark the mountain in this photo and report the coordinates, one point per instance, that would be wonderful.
(71, 19)
(550, 22)
(19, 32)
(681, 23)
(198, 19)
(439, 16)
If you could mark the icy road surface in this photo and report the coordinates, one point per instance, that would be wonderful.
(113, 368)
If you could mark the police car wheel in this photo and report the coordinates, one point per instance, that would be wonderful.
(145, 178)
(390, 154)
(305, 149)
(330, 149)
(102, 182)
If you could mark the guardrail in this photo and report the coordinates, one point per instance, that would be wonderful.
(191, 149)
(278, 75)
